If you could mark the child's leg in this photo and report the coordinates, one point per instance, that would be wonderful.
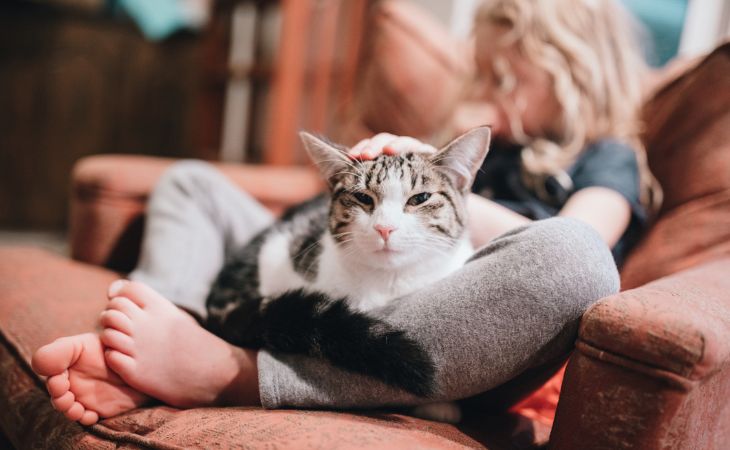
(194, 216)
(514, 307)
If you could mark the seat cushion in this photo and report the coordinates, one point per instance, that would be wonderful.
(43, 296)
(688, 144)
(409, 53)
(109, 194)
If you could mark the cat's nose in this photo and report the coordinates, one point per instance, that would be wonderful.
(384, 230)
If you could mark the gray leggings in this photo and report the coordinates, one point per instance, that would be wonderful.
(514, 308)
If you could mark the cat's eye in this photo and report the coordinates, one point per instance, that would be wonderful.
(363, 198)
(419, 198)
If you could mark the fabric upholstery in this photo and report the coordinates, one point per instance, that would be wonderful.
(690, 228)
(648, 372)
(410, 53)
(46, 296)
(109, 194)
(652, 367)
(688, 143)
(42, 297)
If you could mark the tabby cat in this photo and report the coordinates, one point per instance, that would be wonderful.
(312, 283)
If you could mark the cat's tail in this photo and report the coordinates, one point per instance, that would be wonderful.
(314, 324)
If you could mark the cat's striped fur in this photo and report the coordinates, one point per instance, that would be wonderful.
(313, 282)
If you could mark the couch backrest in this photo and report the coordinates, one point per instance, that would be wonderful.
(687, 135)
(687, 131)
(412, 75)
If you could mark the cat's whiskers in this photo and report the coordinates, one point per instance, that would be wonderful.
(445, 239)
(444, 157)
(308, 249)
(437, 243)
(353, 267)
(344, 246)
(356, 175)
(350, 250)
(355, 187)
(441, 158)
(353, 162)
(316, 261)
(430, 237)
(344, 242)
(429, 248)
(357, 171)
(442, 243)
(347, 248)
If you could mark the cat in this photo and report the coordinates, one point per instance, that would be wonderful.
(384, 229)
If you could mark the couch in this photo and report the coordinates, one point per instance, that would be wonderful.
(650, 370)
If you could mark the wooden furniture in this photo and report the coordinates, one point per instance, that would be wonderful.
(315, 73)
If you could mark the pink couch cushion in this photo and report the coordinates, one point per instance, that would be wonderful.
(688, 143)
(43, 297)
(109, 194)
(414, 73)
(651, 368)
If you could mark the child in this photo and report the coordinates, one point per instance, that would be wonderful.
(565, 82)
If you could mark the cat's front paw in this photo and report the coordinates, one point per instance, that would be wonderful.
(448, 412)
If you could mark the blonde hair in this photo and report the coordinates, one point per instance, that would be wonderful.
(590, 50)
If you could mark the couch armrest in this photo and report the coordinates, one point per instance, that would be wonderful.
(109, 194)
(652, 367)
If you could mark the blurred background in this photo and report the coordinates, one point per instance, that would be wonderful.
(234, 80)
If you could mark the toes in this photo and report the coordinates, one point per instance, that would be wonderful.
(59, 384)
(111, 318)
(64, 402)
(75, 411)
(139, 293)
(125, 306)
(59, 355)
(119, 362)
(117, 340)
(89, 418)
(115, 288)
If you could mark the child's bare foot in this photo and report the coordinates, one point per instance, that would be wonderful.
(162, 351)
(80, 383)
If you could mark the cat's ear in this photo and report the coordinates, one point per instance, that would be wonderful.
(461, 158)
(330, 159)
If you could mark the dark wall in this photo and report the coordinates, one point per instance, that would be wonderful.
(76, 84)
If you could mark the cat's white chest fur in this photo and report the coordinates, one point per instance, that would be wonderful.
(398, 224)
(364, 286)
(367, 287)
(276, 271)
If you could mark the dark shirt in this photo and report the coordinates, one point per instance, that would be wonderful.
(607, 163)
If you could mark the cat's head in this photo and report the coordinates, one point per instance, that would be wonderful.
(396, 210)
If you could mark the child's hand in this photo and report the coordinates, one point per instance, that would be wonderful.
(388, 144)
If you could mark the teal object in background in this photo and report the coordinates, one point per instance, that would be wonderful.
(158, 19)
(664, 20)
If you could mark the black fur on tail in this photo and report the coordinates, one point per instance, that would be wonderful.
(311, 323)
